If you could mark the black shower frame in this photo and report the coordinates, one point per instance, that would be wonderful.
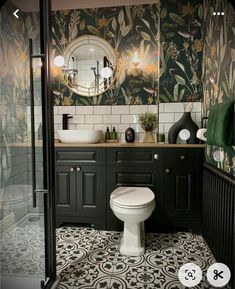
(48, 142)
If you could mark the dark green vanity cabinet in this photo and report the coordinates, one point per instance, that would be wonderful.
(85, 178)
(182, 188)
(135, 167)
(173, 174)
(81, 186)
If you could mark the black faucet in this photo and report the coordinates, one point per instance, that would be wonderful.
(65, 120)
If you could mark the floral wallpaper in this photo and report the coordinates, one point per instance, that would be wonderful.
(14, 79)
(127, 29)
(181, 48)
(219, 70)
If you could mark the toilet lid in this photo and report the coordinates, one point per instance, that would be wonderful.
(132, 196)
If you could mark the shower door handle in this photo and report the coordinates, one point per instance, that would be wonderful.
(31, 56)
(41, 191)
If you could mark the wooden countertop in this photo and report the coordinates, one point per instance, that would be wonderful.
(117, 144)
(134, 145)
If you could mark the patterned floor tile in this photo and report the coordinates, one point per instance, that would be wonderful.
(22, 248)
(92, 260)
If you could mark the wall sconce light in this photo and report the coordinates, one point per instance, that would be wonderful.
(135, 59)
(59, 61)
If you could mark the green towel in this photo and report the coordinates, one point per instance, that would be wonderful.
(220, 127)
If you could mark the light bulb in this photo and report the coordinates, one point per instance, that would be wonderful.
(59, 61)
(106, 72)
(135, 58)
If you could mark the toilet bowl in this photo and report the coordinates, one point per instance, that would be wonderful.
(132, 205)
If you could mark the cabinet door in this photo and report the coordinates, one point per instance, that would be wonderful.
(65, 190)
(182, 197)
(91, 191)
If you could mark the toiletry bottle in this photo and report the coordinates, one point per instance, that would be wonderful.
(107, 134)
(114, 134)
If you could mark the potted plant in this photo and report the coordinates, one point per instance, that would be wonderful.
(148, 121)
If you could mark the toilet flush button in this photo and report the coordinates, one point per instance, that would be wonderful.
(190, 274)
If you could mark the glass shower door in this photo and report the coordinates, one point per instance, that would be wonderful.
(26, 220)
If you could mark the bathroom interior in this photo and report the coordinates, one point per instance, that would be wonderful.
(91, 195)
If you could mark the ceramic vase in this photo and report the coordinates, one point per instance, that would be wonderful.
(185, 122)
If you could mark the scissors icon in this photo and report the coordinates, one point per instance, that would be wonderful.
(218, 274)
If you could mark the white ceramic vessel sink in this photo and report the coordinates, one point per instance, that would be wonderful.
(80, 136)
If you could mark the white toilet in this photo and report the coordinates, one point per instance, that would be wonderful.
(132, 205)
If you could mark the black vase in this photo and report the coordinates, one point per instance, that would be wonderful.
(185, 122)
(130, 134)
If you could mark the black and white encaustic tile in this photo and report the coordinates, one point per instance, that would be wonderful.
(90, 259)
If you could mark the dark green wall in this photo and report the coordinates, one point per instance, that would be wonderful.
(181, 47)
(179, 51)
(127, 29)
(219, 69)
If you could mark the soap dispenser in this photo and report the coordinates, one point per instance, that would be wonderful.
(107, 134)
(114, 134)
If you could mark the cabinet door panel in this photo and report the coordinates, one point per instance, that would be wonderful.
(91, 191)
(65, 192)
(182, 193)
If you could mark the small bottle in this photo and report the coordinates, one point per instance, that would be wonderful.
(114, 134)
(107, 134)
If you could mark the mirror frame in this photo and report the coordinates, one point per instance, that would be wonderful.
(109, 52)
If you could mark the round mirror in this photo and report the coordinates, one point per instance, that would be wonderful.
(90, 65)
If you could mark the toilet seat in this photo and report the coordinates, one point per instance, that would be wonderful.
(132, 197)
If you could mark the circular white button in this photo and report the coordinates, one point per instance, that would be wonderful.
(184, 134)
(190, 274)
(218, 274)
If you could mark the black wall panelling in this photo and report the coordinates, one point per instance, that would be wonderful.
(218, 216)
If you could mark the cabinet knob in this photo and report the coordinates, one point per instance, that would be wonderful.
(71, 169)
(182, 157)
(78, 169)
(156, 156)
(167, 171)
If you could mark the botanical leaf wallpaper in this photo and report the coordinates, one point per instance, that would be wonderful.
(181, 48)
(14, 79)
(127, 29)
(219, 69)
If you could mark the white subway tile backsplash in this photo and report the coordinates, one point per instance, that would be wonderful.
(137, 109)
(100, 126)
(178, 115)
(56, 109)
(85, 109)
(153, 108)
(127, 118)
(121, 109)
(173, 107)
(197, 106)
(111, 119)
(121, 117)
(161, 107)
(66, 109)
(167, 127)
(91, 118)
(166, 117)
(102, 109)
(84, 126)
(77, 118)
